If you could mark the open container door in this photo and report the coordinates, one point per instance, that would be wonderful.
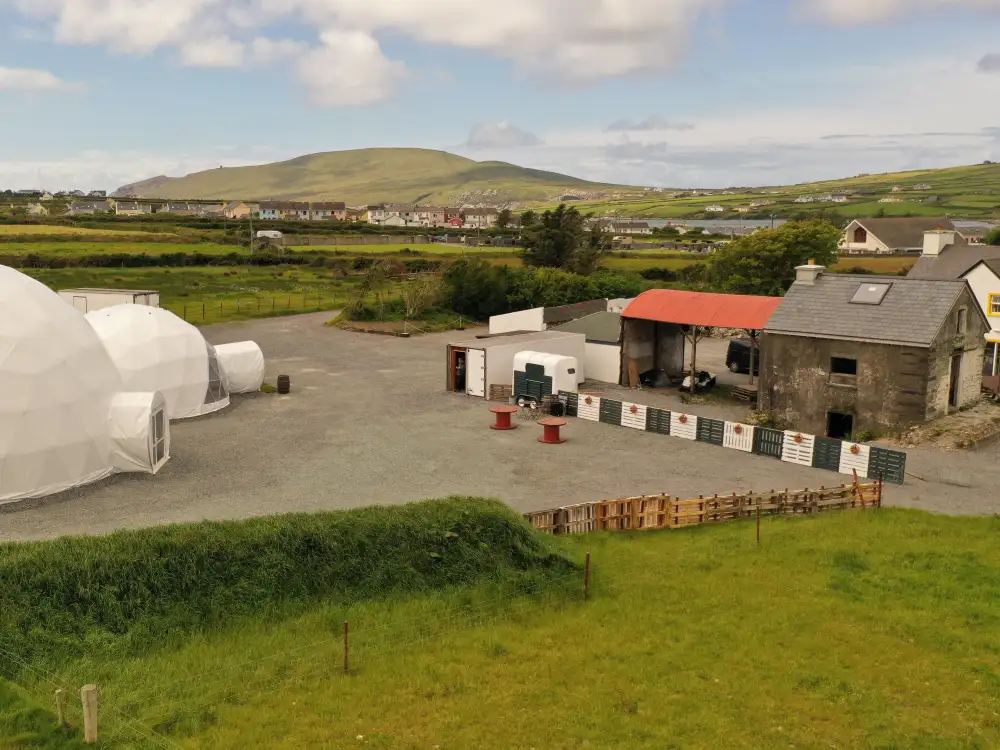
(475, 367)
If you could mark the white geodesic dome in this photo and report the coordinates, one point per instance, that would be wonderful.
(154, 350)
(57, 387)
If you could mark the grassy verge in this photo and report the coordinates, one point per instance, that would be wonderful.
(858, 629)
(30, 230)
(411, 249)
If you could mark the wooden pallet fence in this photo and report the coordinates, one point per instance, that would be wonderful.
(651, 512)
(840, 456)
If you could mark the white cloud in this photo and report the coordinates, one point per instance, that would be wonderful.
(499, 135)
(650, 123)
(213, 52)
(576, 40)
(861, 12)
(30, 79)
(989, 64)
(349, 69)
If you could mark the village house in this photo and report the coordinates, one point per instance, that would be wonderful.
(97, 194)
(328, 211)
(284, 210)
(845, 354)
(76, 194)
(208, 210)
(430, 216)
(479, 218)
(884, 236)
(890, 200)
(238, 210)
(88, 208)
(805, 199)
(180, 209)
(630, 226)
(376, 214)
(715, 209)
(979, 265)
(356, 214)
(132, 208)
(37, 209)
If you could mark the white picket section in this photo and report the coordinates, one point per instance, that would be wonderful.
(738, 436)
(688, 429)
(798, 448)
(589, 407)
(855, 461)
(636, 420)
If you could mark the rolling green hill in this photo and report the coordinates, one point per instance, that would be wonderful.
(962, 192)
(372, 176)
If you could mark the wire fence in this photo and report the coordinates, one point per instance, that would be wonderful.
(214, 311)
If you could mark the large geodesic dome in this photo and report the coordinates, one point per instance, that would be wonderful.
(154, 350)
(59, 424)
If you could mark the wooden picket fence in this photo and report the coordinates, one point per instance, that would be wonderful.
(650, 512)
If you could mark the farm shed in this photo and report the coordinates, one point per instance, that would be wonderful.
(844, 354)
(543, 318)
(603, 332)
(154, 349)
(88, 300)
(473, 366)
(65, 419)
(656, 325)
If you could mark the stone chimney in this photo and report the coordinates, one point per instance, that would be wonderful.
(937, 240)
(808, 274)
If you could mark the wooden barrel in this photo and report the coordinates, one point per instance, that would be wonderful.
(284, 384)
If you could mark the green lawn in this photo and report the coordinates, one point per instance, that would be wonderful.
(27, 230)
(213, 294)
(857, 629)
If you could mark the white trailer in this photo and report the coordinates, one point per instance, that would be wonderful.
(88, 300)
(473, 366)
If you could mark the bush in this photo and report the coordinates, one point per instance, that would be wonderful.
(659, 274)
(135, 590)
(860, 270)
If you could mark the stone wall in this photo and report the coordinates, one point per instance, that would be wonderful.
(888, 393)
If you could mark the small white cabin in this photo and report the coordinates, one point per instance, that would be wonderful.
(88, 300)
(538, 374)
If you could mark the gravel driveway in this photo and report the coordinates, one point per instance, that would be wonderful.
(368, 421)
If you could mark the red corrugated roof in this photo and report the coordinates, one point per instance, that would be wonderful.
(701, 309)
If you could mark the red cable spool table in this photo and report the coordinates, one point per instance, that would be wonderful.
(550, 430)
(503, 418)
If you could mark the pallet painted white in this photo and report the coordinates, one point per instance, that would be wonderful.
(591, 411)
(686, 429)
(798, 448)
(850, 461)
(636, 420)
(738, 436)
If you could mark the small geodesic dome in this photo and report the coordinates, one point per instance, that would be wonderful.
(60, 425)
(243, 364)
(156, 350)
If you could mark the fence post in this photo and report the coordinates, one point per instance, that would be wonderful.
(346, 651)
(185, 311)
(61, 707)
(202, 310)
(586, 578)
(88, 697)
(758, 521)
(272, 304)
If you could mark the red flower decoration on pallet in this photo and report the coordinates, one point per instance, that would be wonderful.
(634, 409)
(588, 401)
(798, 438)
(738, 429)
(855, 449)
(683, 419)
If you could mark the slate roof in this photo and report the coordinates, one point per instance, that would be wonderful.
(953, 262)
(554, 316)
(600, 327)
(902, 234)
(911, 314)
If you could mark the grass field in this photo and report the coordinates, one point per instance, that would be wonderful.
(858, 629)
(72, 249)
(436, 248)
(55, 229)
(214, 294)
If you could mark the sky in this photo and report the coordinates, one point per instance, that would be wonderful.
(670, 93)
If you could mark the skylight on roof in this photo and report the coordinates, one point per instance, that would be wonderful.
(870, 294)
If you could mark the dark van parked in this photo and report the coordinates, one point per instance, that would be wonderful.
(738, 356)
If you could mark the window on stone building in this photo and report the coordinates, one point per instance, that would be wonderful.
(843, 366)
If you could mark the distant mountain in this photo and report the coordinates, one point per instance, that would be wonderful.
(404, 175)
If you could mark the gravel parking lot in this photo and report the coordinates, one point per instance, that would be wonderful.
(369, 422)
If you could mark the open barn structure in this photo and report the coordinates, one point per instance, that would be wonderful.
(659, 324)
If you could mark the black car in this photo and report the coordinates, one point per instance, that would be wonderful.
(738, 357)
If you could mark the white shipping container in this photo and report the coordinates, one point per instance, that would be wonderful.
(89, 300)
